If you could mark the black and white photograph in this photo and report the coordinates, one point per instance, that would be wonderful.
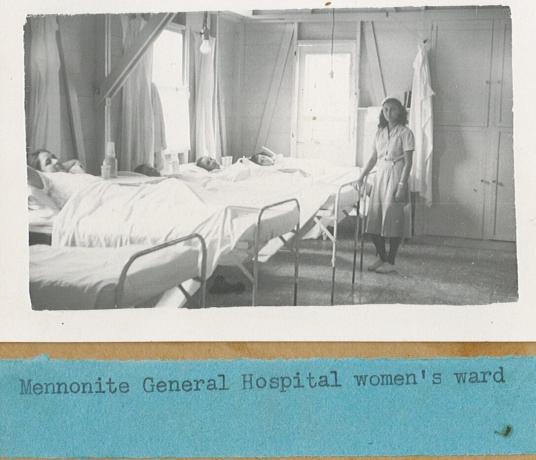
(318, 156)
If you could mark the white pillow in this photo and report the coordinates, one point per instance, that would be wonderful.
(77, 168)
(38, 199)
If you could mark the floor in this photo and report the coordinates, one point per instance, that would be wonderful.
(430, 270)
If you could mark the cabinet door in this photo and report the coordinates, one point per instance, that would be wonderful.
(503, 74)
(461, 72)
(459, 194)
(504, 222)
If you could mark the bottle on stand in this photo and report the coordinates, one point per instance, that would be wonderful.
(109, 164)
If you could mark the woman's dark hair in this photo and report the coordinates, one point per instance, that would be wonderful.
(255, 158)
(147, 170)
(403, 114)
(33, 158)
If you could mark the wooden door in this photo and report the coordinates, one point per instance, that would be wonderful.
(473, 156)
(326, 102)
(503, 100)
(459, 193)
(461, 72)
(461, 68)
(500, 219)
(504, 222)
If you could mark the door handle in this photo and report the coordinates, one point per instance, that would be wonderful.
(484, 181)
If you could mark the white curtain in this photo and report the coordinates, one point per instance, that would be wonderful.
(159, 126)
(137, 133)
(205, 115)
(44, 107)
(421, 123)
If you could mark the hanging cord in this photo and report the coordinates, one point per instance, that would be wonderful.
(331, 73)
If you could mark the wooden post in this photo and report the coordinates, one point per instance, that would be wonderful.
(374, 60)
(296, 99)
(357, 89)
(220, 96)
(237, 89)
(275, 86)
(72, 99)
(117, 77)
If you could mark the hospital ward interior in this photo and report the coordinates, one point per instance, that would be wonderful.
(300, 157)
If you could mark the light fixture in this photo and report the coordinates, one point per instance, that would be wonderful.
(332, 73)
(205, 47)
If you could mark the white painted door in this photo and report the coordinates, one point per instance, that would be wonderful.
(326, 105)
(501, 224)
(502, 221)
(502, 82)
(462, 67)
(457, 174)
(473, 170)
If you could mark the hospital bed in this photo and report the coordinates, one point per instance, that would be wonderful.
(281, 221)
(335, 187)
(283, 204)
(76, 278)
(250, 225)
(342, 201)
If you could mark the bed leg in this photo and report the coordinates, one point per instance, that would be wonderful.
(356, 236)
(255, 282)
(334, 245)
(333, 285)
(203, 287)
(333, 263)
(203, 300)
(362, 248)
(185, 293)
(296, 265)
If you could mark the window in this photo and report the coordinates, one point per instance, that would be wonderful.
(325, 102)
(170, 75)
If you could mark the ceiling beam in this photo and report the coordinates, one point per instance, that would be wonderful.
(73, 106)
(117, 77)
(379, 14)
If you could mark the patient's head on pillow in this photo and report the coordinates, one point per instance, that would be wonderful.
(207, 163)
(262, 159)
(45, 161)
(147, 170)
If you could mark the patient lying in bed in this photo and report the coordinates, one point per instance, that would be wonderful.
(207, 163)
(210, 164)
(57, 180)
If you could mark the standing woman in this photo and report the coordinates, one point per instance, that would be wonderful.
(392, 153)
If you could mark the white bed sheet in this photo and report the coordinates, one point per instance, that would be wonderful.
(110, 215)
(41, 221)
(76, 278)
(265, 186)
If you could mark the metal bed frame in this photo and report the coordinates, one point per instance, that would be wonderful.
(362, 213)
(45, 238)
(317, 219)
(202, 278)
(258, 244)
(333, 217)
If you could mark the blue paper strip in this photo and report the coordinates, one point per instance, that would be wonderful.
(258, 408)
